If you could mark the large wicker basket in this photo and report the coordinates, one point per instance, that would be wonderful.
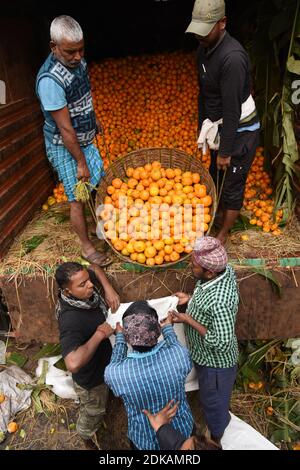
(169, 158)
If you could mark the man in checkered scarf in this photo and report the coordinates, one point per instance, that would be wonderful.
(210, 254)
(210, 318)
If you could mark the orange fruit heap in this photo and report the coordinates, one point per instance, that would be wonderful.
(59, 193)
(151, 101)
(258, 197)
(146, 101)
(155, 216)
(57, 197)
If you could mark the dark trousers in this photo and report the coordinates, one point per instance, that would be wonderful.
(236, 175)
(215, 388)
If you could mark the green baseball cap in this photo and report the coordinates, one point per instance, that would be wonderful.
(206, 14)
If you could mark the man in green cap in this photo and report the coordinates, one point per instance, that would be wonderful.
(228, 118)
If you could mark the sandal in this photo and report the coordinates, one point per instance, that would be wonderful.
(102, 260)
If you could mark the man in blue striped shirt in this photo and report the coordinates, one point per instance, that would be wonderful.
(151, 375)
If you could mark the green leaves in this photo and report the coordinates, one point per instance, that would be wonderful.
(132, 268)
(293, 65)
(243, 223)
(290, 149)
(38, 388)
(278, 27)
(14, 358)
(270, 276)
(32, 243)
(60, 364)
(295, 376)
(278, 436)
(48, 350)
(250, 373)
(278, 403)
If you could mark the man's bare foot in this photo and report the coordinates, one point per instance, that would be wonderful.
(222, 238)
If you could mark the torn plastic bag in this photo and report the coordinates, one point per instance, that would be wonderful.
(60, 380)
(16, 399)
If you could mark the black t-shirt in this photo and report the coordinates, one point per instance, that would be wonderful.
(76, 326)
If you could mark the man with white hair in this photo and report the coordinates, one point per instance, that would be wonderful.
(63, 88)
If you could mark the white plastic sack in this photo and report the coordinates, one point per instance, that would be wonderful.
(162, 306)
(241, 436)
(295, 345)
(15, 399)
(60, 380)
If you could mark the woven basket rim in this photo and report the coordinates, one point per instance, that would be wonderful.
(128, 156)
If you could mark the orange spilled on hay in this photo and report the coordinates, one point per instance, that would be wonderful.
(12, 427)
(258, 197)
(169, 234)
(57, 197)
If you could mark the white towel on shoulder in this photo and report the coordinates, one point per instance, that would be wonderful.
(209, 135)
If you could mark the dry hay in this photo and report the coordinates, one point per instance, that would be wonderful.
(59, 241)
(251, 408)
(47, 431)
(265, 245)
(60, 244)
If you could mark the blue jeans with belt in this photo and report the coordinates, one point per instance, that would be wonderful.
(215, 388)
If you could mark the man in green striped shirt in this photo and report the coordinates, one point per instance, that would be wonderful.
(210, 327)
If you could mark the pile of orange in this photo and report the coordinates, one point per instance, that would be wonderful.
(151, 101)
(146, 101)
(57, 197)
(258, 197)
(154, 216)
(258, 201)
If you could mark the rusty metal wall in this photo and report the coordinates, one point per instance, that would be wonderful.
(21, 53)
(25, 175)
